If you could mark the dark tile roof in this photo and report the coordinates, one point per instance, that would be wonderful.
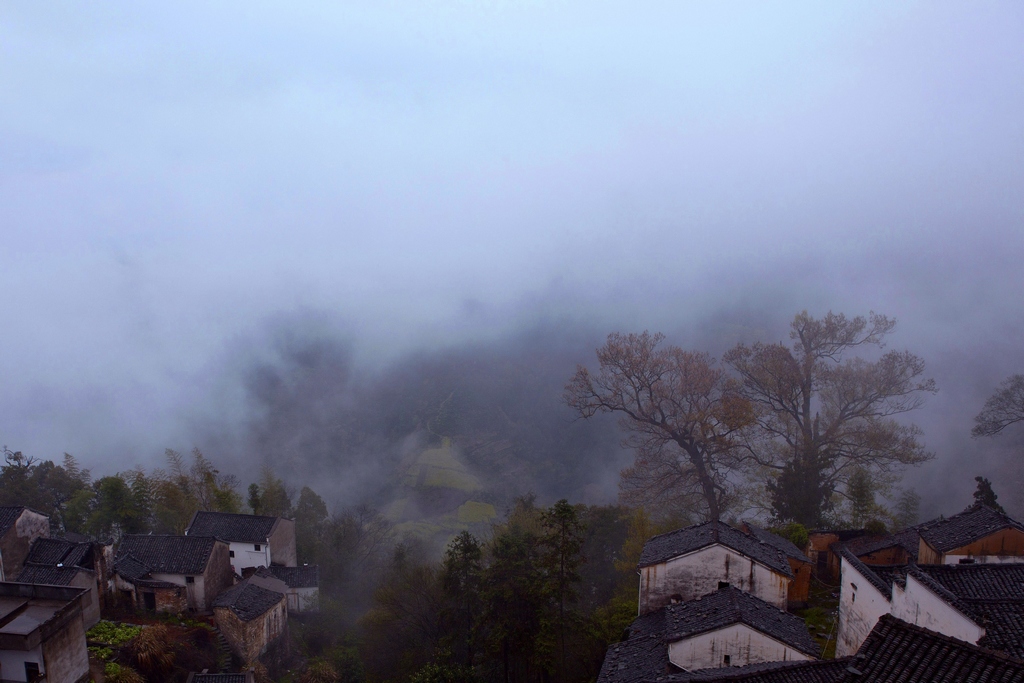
(971, 581)
(908, 539)
(769, 672)
(307, 576)
(675, 543)
(976, 522)
(168, 554)
(54, 551)
(54, 576)
(991, 595)
(129, 568)
(643, 656)
(219, 678)
(232, 527)
(8, 516)
(248, 600)
(732, 606)
(784, 544)
(896, 651)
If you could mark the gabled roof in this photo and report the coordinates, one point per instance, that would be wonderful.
(908, 539)
(168, 554)
(879, 577)
(232, 527)
(973, 581)
(682, 541)
(643, 658)
(247, 600)
(54, 551)
(306, 576)
(8, 516)
(826, 671)
(54, 576)
(974, 523)
(730, 605)
(220, 678)
(787, 547)
(898, 651)
(991, 595)
(129, 568)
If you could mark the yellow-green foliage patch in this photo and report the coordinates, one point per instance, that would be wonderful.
(439, 468)
(109, 633)
(473, 512)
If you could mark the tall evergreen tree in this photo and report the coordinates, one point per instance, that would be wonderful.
(985, 495)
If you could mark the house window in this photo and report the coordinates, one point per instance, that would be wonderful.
(190, 579)
(231, 553)
(967, 560)
(258, 547)
(31, 671)
(723, 584)
(726, 660)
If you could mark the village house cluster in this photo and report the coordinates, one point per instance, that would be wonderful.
(940, 601)
(241, 569)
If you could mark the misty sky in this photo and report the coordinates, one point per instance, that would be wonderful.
(178, 178)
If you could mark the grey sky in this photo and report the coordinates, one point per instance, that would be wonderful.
(173, 176)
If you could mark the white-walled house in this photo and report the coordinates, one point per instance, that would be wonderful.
(253, 540)
(172, 573)
(980, 603)
(727, 628)
(688, 563)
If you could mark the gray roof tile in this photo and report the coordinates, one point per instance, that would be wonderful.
(682, 541)
(974, 523)
(247, 600)
(232, 527)
(168, 554)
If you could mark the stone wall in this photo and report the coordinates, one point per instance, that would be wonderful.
(250, 639)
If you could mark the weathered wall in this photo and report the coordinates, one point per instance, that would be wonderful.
(742, 644)
(65, 656)
(1005, 546)
(249, 639)
(246, 555)
(917, 604)
(282, 544)
(91, 600)
(694, 575)
(12, 662)
(303, 599)
(861, 605)
(218, 576)
(14, 545)
(886, 556)
(800, 587)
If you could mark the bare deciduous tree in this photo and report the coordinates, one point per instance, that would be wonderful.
(824, 415)
(678, 412)
(1002, 409)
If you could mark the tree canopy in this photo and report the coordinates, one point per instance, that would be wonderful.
(824, 414)
(1002, 409)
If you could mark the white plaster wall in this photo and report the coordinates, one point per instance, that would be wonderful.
(304, 599)
(743, 644)
(698, 573)
(917, 604)
(247, 556)
(984, 559)
(860, 609)
(12, 663)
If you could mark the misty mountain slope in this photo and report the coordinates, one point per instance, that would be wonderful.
(452, 434)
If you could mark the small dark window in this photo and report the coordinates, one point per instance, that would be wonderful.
(149, 601)
(967, 560)
(31, 671)
(258, 547)
(190, 579)
(723, 584)
(676, 599)
(231, 553)
(727, 660)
